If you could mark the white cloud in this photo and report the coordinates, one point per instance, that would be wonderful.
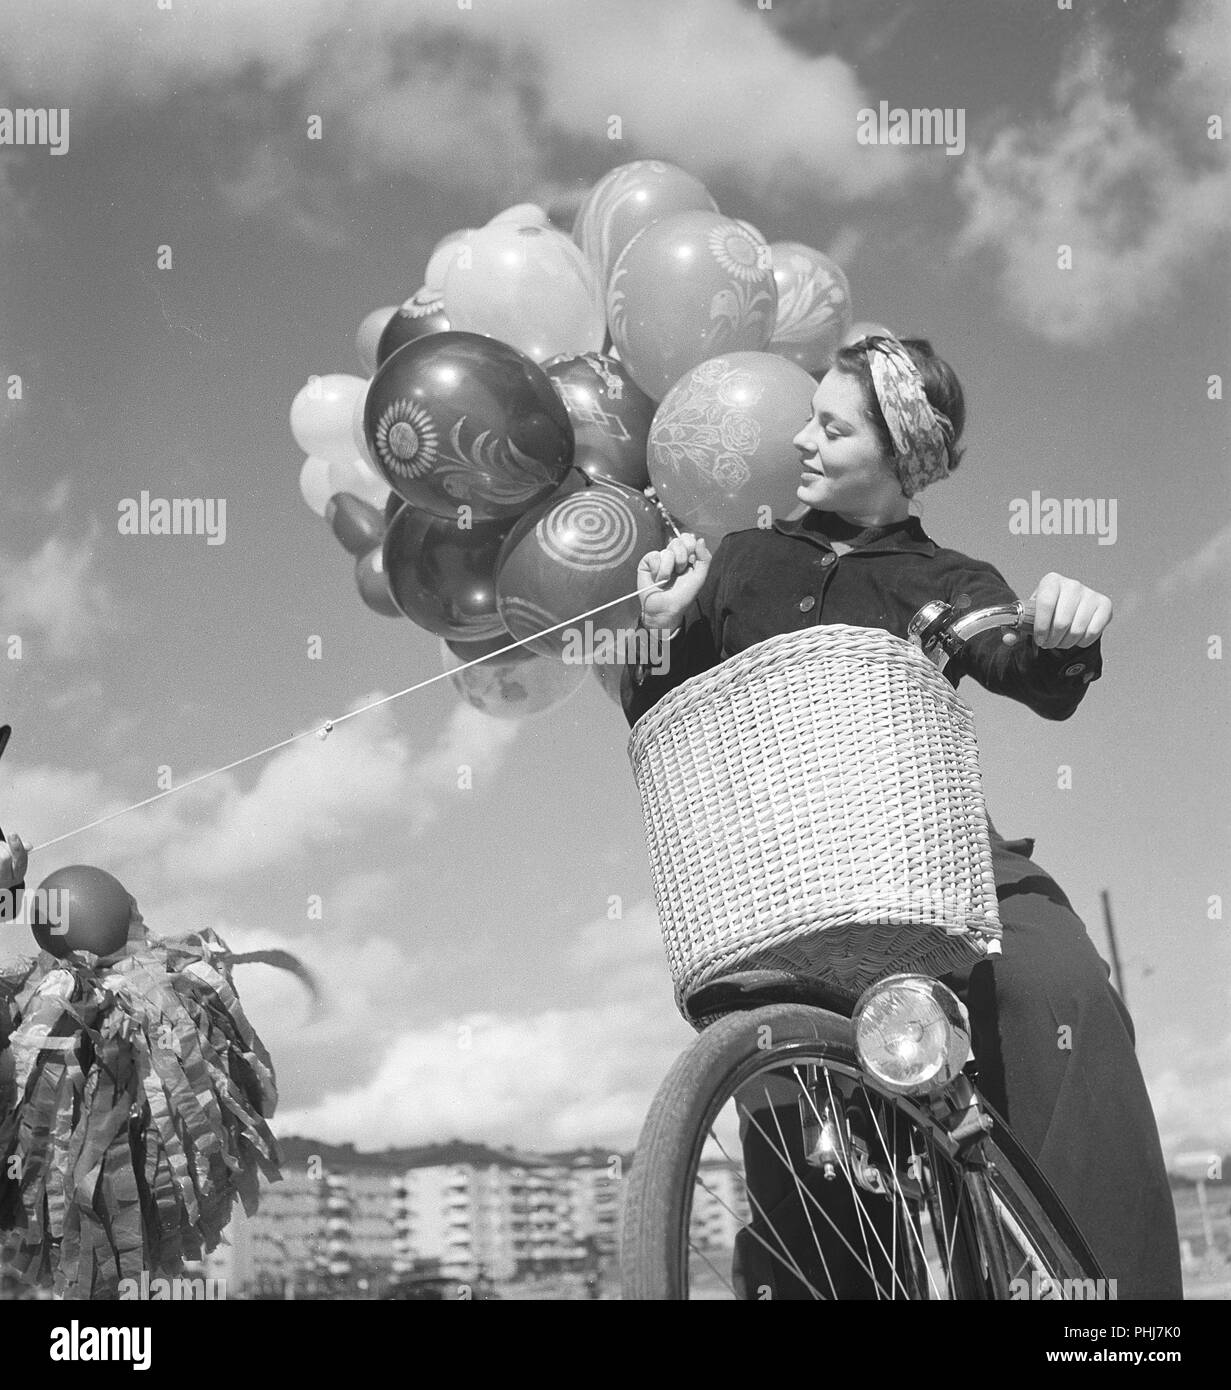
(1136, 196)
(1212, 560)
(1191, 1094)
(552, 1078)
(711, 83)
(57, 594)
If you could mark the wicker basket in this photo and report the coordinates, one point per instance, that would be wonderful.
(814, 804)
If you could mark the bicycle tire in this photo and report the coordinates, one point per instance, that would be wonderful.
(657, 1205)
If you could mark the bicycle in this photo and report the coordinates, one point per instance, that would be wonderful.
(878, 1170)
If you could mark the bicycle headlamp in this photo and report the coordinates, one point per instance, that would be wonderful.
(911, 1033)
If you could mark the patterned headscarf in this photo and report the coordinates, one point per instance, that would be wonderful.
(922, 435)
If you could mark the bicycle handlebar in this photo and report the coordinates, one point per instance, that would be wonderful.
(941, 635)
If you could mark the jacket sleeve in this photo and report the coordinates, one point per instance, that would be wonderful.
(1051, 682)
(694, 649)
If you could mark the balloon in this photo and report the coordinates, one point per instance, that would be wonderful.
(81, 908)
(529, 286)
(442, 576)
(571, 555)
(814, 305)
(686, 289)
(458, 419)
(523, 214)
(367, 339)
(361, 480)
(511, 686)
(358, 526)
(358, 438)
(609, 676)
(866, 329)
(443, 256)
(373, 584)
(611, 418)
(720, 446)
(423, 313)
(320, 415)
(393, 505)
(315, 484)
(629, 198)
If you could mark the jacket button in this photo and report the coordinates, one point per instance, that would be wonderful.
(827, 559)
(806, 603)
(1075, 669)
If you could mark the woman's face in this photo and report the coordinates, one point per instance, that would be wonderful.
(846, 468)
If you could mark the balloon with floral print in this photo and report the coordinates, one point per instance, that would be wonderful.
(720, 451)
(687, 289)
(456, 420)
(814, 305)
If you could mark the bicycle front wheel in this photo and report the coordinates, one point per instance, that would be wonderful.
(770, 1166)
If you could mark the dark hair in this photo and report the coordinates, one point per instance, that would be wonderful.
(940, 385)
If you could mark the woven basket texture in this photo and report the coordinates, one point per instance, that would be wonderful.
(814, 804)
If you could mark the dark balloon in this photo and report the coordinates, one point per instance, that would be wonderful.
(611, 416)
(356, 524)
(423, 313)
(442, 576)
(457, 419)
(571, 555)
(81, 908)
(393, 505)
(373, 584)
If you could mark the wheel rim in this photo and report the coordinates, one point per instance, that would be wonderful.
(829, 1188)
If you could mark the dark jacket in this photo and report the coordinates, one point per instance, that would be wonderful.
(764, 581)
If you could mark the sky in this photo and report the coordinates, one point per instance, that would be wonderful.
(491, 954)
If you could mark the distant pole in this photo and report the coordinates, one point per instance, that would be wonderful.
(1111, 940)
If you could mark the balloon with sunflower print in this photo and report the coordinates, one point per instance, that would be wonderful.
(456, 421)
(686, 289)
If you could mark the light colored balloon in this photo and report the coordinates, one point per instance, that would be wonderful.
(367, 339)
(720, 452)
(315, 483)
(321, 415)
(361, 480)
(523, 214)
(814, 305)
(685, 289)
(359, 437)
(529, 286)
(516, 685)
(443, 256)
(628, 199)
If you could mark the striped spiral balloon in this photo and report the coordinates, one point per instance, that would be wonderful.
(594, 529)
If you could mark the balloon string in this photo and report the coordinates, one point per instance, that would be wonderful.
(324, 729)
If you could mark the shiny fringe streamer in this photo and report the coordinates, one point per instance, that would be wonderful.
(134, 1100)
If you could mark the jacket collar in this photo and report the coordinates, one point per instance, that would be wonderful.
(822, 527)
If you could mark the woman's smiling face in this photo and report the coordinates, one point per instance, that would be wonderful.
(849, 470)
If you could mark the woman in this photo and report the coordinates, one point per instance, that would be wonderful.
(1053, 1041)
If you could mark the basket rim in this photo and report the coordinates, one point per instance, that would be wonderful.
(761, 660)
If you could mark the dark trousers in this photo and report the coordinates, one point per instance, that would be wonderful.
(1054, 1045)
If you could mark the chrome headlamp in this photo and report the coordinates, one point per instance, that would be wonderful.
(912, 1034)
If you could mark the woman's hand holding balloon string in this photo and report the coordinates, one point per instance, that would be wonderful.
(685, 562)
